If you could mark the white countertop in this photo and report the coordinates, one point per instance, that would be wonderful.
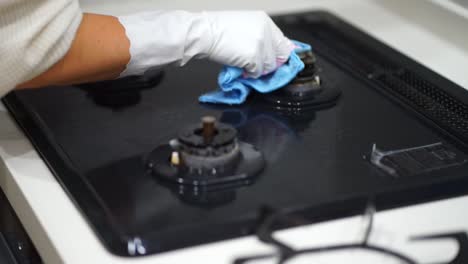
(430, 34)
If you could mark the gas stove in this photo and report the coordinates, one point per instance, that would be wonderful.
(153, 170)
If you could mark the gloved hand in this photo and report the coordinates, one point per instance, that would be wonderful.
(245, 39)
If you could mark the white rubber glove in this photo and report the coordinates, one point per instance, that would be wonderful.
(245, 39)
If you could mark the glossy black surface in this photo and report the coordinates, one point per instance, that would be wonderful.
(316, 161)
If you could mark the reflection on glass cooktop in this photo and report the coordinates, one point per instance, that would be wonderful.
(364, 123)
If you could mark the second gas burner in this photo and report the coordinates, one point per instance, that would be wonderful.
(307, 91)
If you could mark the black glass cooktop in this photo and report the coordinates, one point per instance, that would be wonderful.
(395, 133)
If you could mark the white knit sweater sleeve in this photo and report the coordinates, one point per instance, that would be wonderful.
(34, 35)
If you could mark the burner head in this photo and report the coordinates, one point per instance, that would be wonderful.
(207, 145)
(309, 60)
(307, 91)
(208, 137)
(205, 155)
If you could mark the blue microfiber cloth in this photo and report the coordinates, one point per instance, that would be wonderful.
(235, 88)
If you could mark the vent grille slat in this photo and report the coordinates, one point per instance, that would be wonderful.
(436, 104)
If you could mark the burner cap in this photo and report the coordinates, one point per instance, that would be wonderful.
(208, 134)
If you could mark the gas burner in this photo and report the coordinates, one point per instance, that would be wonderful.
(124, 92)
(206, 155)
(307, 91)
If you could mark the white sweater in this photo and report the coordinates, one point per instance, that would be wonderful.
(34, 35)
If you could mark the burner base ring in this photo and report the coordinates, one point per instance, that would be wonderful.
(326, 98)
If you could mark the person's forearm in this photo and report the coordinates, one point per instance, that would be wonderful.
(100, 51)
